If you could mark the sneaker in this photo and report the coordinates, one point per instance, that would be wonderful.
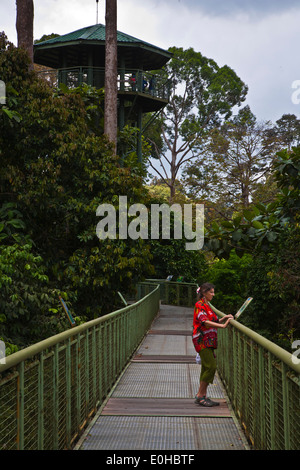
(213, 403)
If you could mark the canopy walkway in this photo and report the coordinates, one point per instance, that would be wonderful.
(152, 405)
(127, 381)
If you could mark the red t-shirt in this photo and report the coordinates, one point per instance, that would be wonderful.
(204, 336)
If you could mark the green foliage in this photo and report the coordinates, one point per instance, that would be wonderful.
(11, 224)
(213, 89)
(287, 174)
(170, 257)
(27, 303)
(270, 311)
(254, 229)
(271, 234)
(58, 169)
(235, 158)
(261, 227)
(25, 297)
(284, 281)
(93, 100)
(288, 129)
(8, 115)
(45, 37)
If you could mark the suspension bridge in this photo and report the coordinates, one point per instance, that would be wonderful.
(127, 381)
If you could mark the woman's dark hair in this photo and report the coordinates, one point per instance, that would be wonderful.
(204, 288)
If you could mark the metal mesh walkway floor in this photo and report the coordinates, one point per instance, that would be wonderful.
(152, 405)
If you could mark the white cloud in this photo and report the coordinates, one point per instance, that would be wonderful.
(263, 52)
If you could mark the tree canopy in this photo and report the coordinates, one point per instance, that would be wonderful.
(238, 156)
(203, 95)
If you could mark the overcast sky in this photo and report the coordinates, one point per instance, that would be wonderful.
(259, 39)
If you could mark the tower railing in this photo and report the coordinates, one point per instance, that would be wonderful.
(129, 81)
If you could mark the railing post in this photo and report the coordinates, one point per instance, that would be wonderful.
(105, 357)
(20, 407)
(252, 379)
(41, 403)
(87, 371)
(190, 296)
(262, 401)
(80, 76)
(177, 294)
(139, 291)
(235, 353)
(99, 356)
(94, 367)
(116, 346)
(55, 397)
(286, 419)
(245, 394)
(271, 403)
(239, 409)
(139, 81)
(78, 382)
(90, 72)
(167, 293)
(68, 394)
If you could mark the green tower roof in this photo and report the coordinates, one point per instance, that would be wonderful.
(75, 48)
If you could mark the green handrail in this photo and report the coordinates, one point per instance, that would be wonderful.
(49, 391)
(262, 382)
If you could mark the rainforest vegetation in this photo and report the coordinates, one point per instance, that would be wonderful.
(57, 167)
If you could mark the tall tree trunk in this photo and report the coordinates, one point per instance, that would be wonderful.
(24, 26)
(111, 91)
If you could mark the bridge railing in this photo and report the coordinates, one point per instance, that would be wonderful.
(50, 390)
(261, 379)
(262, 382)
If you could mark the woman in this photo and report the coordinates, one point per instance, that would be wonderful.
(205, 326)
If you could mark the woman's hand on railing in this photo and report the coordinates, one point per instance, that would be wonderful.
(226, 319)
(220, 324)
